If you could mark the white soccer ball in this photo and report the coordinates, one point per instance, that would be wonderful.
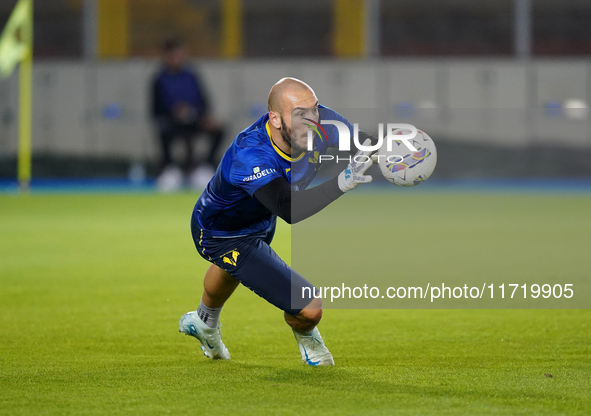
(403, 167)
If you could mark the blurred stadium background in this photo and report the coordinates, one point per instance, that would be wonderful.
(502, 86)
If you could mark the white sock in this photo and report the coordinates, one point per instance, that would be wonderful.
(209, 316)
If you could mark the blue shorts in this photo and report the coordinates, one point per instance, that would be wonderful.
(251, 261)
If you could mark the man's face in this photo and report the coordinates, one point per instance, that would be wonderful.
(297, 107)
(176, 58)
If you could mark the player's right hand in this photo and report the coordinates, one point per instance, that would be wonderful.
(354, 174)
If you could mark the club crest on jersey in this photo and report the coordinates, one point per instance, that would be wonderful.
(231, 257)
(258, 173)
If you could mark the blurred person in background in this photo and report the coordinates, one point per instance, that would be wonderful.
(181, 109)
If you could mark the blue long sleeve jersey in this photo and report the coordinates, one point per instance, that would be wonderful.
(227, 207)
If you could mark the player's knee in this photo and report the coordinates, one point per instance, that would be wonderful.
(314, 316)
(311, 316)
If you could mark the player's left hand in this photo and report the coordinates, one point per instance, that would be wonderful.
(353, 175)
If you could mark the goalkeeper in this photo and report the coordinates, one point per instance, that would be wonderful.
(264, 175)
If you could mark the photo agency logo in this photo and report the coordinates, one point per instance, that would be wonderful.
(395, 132)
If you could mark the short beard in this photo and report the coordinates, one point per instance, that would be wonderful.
(286, 135)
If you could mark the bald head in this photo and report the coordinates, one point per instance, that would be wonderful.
(288, 130)
(288, 92)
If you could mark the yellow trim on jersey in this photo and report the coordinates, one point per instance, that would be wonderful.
(278, 150)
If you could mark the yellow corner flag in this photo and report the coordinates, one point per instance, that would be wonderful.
(16, 46)
(16, 40)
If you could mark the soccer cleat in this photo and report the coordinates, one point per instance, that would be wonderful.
(210, 338)
(312, 349)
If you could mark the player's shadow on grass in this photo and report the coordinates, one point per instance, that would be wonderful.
(342, 379)
(302, 375)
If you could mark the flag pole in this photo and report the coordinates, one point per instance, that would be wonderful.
(25, 105)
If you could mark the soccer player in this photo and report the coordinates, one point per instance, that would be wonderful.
(264, 175)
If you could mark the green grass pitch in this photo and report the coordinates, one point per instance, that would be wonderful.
(92, 286)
